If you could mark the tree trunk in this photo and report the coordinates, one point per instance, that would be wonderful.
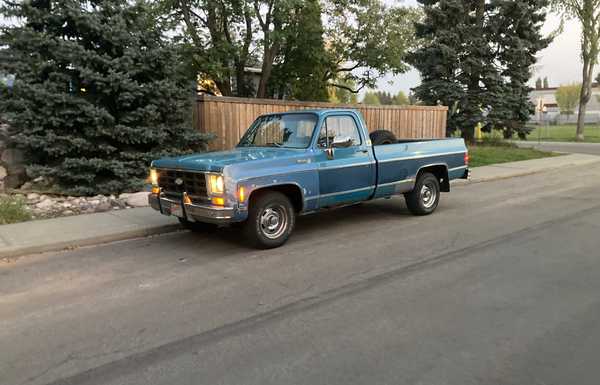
(224, 86)
(267, 68)
(584, 96)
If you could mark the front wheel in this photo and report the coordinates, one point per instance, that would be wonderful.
(424, 198)
(271, 219)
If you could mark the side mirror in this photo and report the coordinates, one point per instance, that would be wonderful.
(330, 152)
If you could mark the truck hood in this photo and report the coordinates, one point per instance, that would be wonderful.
(216, 161)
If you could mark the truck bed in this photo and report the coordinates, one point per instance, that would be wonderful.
(399, 163)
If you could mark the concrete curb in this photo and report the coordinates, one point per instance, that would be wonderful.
(14, 252)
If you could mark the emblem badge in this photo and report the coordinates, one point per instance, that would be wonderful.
(178, 181)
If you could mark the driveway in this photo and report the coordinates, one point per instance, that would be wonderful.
(571, 147)
(500, 286)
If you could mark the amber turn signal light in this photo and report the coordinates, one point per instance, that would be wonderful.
(218, 201)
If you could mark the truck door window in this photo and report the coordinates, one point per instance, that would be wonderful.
(339, 131)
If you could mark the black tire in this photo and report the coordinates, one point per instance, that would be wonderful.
(198, 227)
(425, 197)
(271, 220)
(380, 137)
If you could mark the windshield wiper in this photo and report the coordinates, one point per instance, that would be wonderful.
(275, 144)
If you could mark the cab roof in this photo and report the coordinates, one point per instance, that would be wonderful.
(316, 111)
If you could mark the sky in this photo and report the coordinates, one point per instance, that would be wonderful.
(560, 62)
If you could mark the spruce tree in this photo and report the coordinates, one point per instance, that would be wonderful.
(476, 58)
(98, 92)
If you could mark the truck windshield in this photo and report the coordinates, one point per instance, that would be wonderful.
(280, 130)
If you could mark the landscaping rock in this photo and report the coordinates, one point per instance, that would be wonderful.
(139, 199)
(50, 205)
(45, 204)
(33, 197)
(104, 206)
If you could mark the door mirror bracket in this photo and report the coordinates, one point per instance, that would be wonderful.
(330, 152)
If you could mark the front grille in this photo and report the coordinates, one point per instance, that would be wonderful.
(193, 183)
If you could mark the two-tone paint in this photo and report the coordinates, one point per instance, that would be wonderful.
(355, 174)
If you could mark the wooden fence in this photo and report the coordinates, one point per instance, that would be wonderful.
(228, 118)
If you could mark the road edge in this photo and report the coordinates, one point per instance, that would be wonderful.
(7, 254)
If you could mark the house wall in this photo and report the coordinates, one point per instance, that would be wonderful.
(553, 112)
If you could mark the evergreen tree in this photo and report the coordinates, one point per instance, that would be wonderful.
(538, 83)
(97, 93)
(461, 40)
(546, 84)
(515, 30)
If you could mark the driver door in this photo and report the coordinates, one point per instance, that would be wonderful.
(350, 175)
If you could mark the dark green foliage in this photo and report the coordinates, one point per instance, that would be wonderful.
(97, 94)
(300, 71)
(476, 58)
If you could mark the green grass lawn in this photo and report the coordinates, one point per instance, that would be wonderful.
(565, 133)
(483, 155)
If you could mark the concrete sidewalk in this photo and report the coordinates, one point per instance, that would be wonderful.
(82, 230)
(570, 147)
(527, 167)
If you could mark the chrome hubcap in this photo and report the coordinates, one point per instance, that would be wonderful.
(273, 221)
(428, 195)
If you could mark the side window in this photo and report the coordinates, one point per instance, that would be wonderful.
(339, 131)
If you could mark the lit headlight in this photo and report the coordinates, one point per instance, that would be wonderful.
(153, 177)
(215, 184)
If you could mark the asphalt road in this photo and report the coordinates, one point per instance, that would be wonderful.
(571, 147)
(500, 286)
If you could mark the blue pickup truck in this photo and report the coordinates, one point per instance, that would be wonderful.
(301, 162)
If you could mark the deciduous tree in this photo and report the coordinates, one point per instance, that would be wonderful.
(371, 98)
(587, 14)
(300, 70)
(567, 98)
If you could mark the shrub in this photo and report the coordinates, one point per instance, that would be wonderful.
(13, 209)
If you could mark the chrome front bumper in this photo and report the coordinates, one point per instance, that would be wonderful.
(192, 212)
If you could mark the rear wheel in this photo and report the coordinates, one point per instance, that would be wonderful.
(271, 219)
(197, 227)
(380, 137)
(425, 197)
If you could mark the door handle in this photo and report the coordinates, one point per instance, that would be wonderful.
(364, 151)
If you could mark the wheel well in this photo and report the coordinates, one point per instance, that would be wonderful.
(441, 172)
(292, 191)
